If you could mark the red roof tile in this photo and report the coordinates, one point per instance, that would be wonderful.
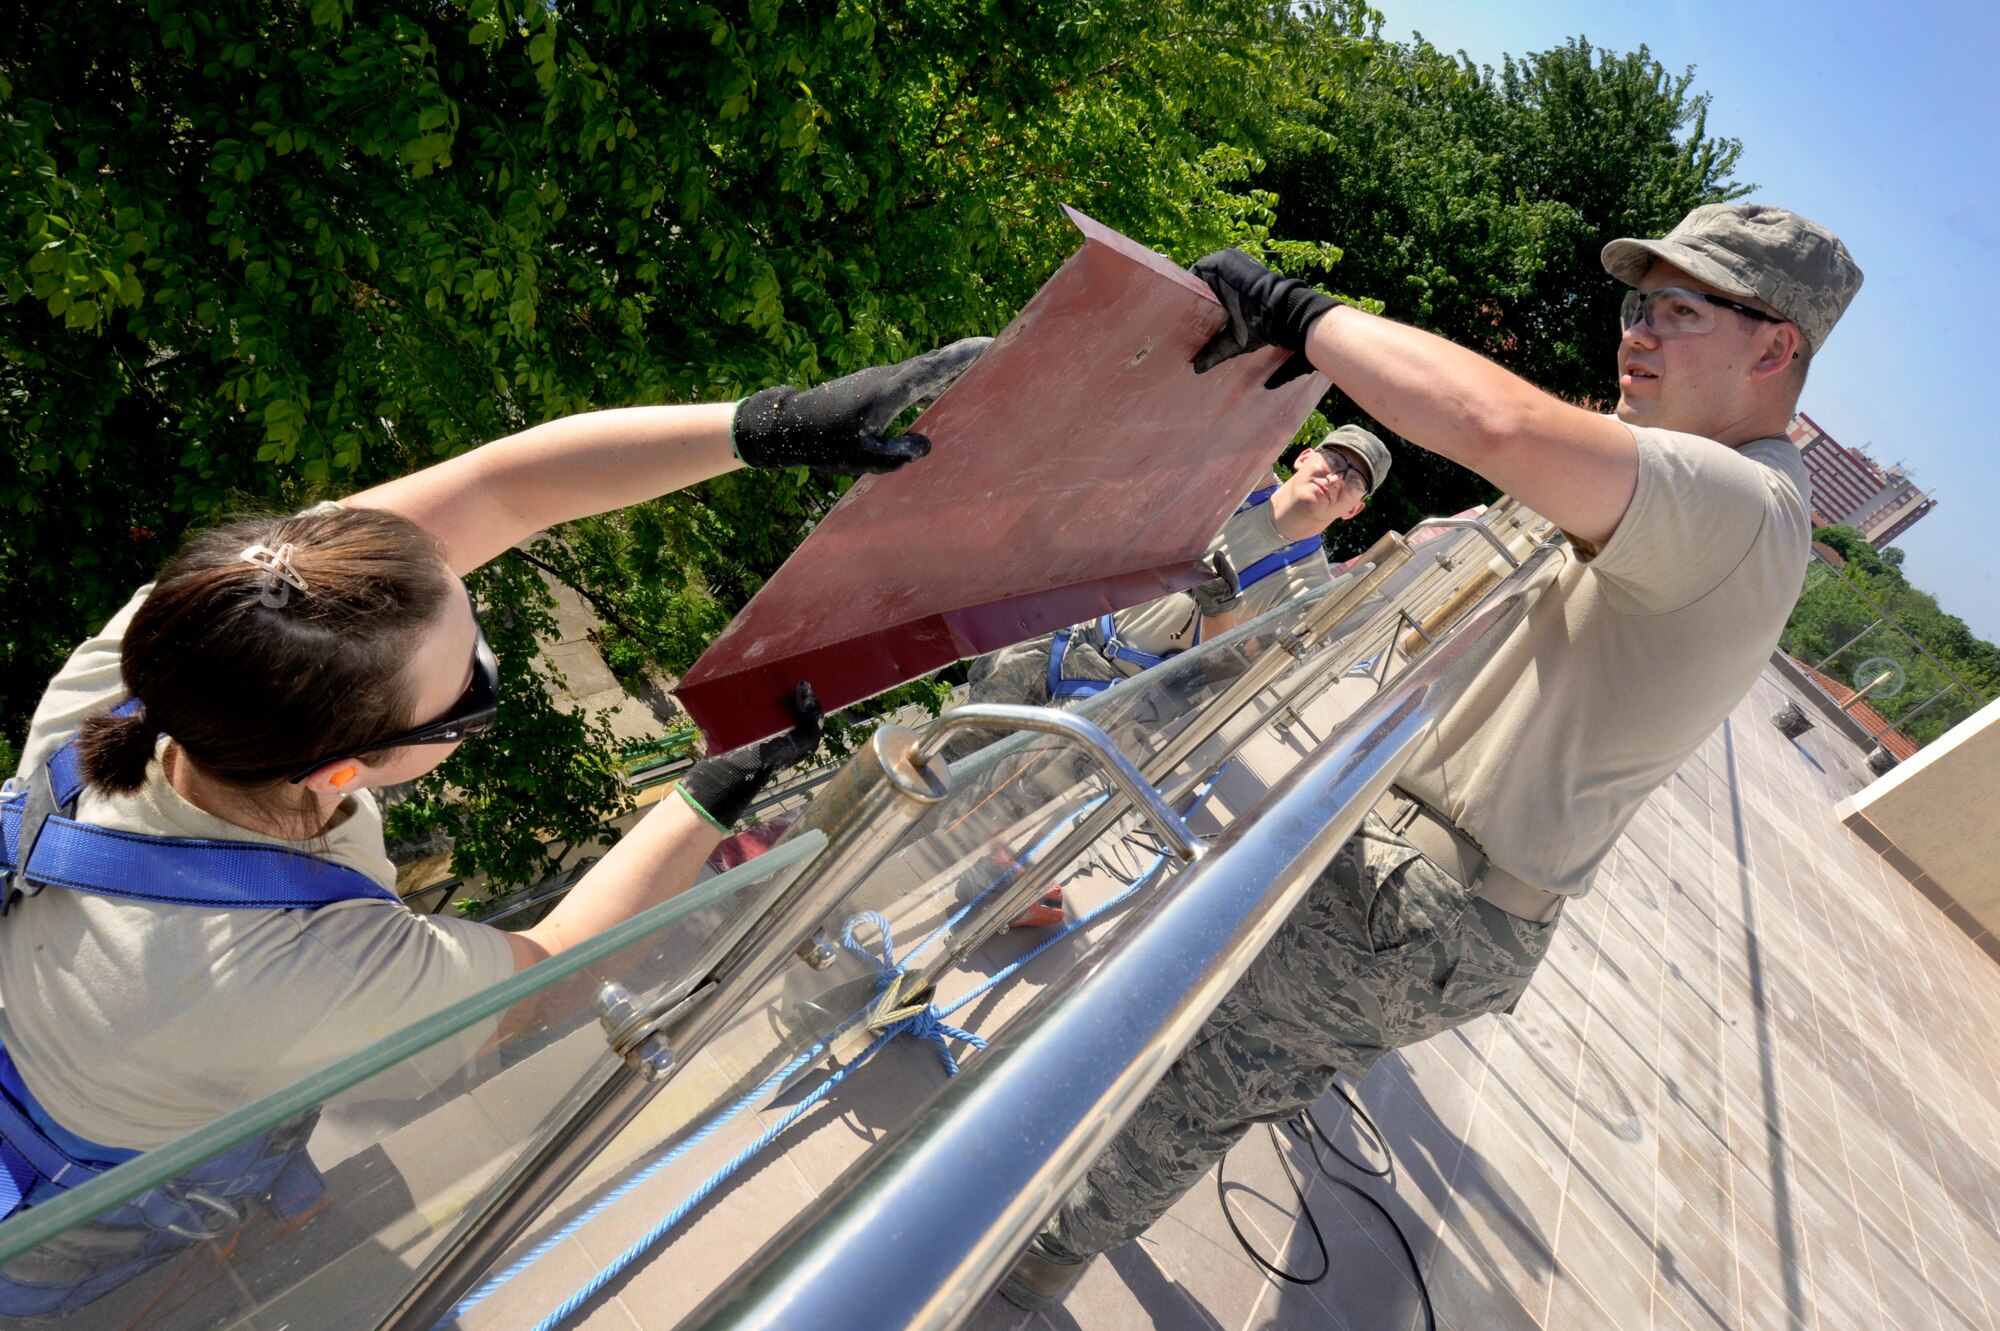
(1870, 720)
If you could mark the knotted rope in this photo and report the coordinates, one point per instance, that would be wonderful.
(925, 1023)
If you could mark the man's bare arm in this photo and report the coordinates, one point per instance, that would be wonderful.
(1574, 467)
(1577, 469)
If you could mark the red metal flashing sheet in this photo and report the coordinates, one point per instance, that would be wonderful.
(1079, 466)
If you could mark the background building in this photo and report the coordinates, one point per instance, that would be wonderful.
(1850, 489)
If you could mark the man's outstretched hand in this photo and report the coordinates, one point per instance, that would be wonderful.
(837, 426)
(1221, 593)
(1265, 309)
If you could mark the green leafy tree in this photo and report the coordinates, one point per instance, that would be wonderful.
(1830, 616)
(259, 254)
(264, 253)
(1473, 202)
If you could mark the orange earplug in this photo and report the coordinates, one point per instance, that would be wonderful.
(342, 777)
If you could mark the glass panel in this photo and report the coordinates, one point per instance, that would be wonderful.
(1009, 804)
(404, 1134)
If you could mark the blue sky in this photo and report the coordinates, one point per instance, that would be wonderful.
(1883, 123)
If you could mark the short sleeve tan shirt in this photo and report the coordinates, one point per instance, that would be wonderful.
(1628, 661)
(135, 1022)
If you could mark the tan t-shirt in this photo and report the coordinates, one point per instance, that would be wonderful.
(1167, 624)
(1628, 661)
(134, 1022)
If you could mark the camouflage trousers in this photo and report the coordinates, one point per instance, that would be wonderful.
(1020, 674)
(1385, 950)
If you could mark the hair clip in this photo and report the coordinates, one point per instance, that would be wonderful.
(280, 578)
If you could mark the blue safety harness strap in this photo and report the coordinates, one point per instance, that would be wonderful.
(182, 871)
(1255, 498)
(66, 764)
(40, 1161)
(38, 1157)
(1280, 559)
(1069, 688)
(1116, 649)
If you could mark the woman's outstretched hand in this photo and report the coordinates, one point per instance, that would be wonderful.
(837, 426)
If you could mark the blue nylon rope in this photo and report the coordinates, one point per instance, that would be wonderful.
(927, 1025)
(700, 1194)
(936, 1030)
(624, 1189)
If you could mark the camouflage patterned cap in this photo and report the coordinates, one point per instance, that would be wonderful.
(1797, 267)
(1372, 452)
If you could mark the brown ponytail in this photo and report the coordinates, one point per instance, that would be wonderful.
(115, 750)
(250, 690)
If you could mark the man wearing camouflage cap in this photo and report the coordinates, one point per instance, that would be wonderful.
(1687, 516)
(1270, 550)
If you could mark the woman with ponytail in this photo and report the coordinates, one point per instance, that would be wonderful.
(246, 704)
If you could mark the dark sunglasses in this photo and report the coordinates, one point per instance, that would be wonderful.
(472, 713)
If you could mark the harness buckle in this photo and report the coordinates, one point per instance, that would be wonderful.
(1114, 646)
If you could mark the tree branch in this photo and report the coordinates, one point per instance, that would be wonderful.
(605, 609)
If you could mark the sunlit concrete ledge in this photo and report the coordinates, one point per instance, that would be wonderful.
(1930, 821)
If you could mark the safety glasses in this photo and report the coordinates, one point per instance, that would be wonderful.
(1343, 467)
(1679, 312)
(472, 713)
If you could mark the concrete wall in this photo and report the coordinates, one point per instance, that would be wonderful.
(1933, 820)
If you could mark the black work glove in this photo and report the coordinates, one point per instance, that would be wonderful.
(723, 786)
(1264, 309)
(837, 426)
(1221, 593)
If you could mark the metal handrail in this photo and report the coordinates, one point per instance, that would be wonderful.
(971, 1178)
(1047, 721)
(1466, 524)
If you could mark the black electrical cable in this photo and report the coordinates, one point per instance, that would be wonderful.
(1305, 1209)
(1307, 1129)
